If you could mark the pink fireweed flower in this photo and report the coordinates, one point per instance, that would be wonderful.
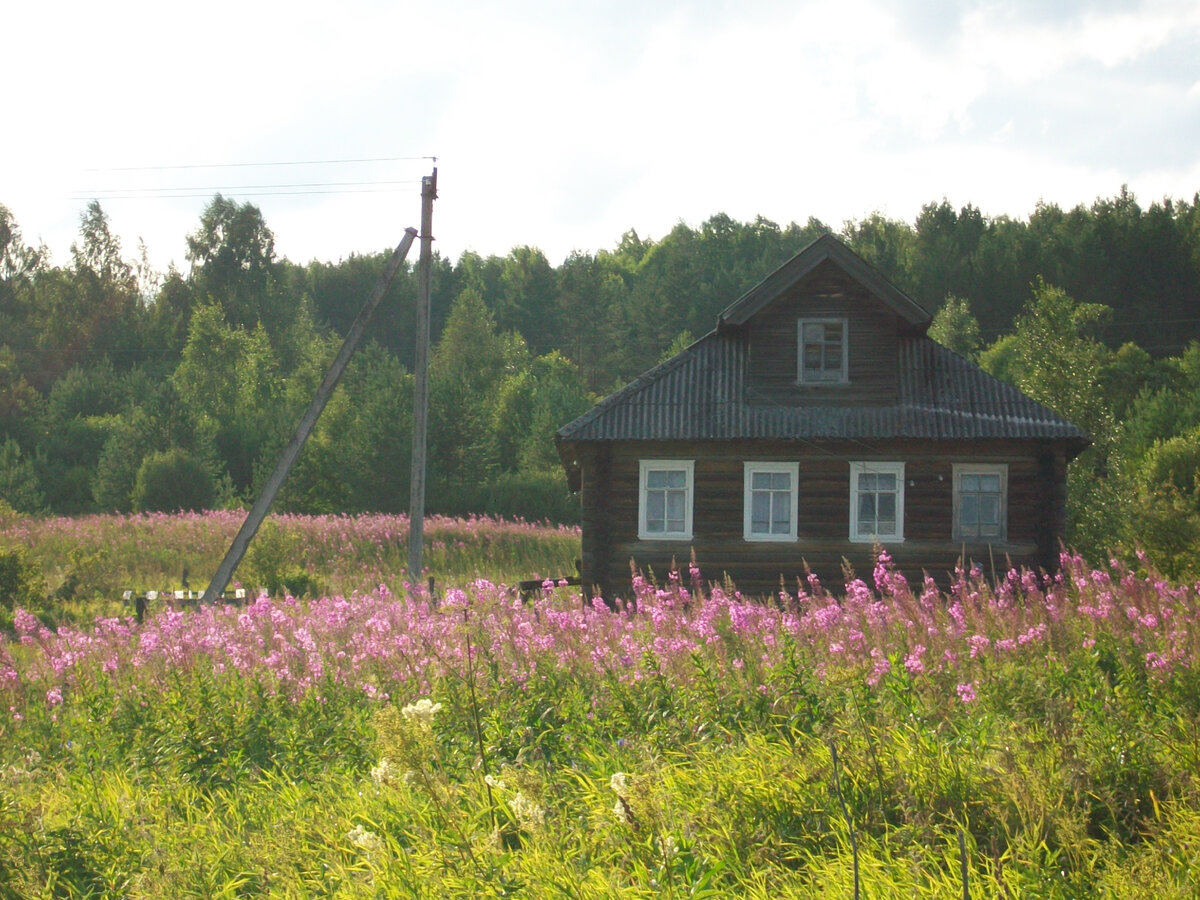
(881, 667)
(966, 692)
(913, 662)
(979, 644)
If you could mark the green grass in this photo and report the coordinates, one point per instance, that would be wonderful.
(88, 562)
(1036, 739)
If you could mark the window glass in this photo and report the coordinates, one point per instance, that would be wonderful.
(665, 509)
(822, 350)
(770, 509)
(979, 501)
(876, 501)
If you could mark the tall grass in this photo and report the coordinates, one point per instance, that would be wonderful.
(1036, 737)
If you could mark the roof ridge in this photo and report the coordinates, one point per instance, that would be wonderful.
(826, 247)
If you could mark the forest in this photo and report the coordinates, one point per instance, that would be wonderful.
(123, 388)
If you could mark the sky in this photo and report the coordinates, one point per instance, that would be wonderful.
(564, 125)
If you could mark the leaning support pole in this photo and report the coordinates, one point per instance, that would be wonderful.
(291, 452)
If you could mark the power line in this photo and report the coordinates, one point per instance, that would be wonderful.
(233, 194)
(83, 194)
(247, 165)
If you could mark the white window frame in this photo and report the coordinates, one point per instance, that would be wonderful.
(646, 466)
(961, 469)
(750, 469)
(871, 467)
(844, 375)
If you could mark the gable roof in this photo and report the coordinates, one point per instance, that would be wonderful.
(826, 247)
(703, 394)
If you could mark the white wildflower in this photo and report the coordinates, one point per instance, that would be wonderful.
(410, 777)
(529, 814)
(364, 839)
(668, 846)
(384, 773)
(620, 812)
(495, 783)
(422, 711)
(619, 782)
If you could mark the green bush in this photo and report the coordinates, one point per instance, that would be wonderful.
(173, 480)
(533, 496)
(273, 563)
(21, 581)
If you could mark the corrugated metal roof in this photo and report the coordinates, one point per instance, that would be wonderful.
(702, 394)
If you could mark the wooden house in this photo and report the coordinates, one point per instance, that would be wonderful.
(815, 422)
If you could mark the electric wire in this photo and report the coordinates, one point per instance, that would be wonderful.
(235, 193)
(249, 165)
(158, 191)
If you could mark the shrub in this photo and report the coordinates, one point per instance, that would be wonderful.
(21, 581)
(173, 480)
(533, 496)
(271, 564)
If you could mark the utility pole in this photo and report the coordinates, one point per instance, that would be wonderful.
(291, 452)
(416, 503)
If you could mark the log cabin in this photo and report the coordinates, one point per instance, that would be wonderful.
(814, 424)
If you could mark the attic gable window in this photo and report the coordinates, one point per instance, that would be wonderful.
(665, 499)
(822, 351)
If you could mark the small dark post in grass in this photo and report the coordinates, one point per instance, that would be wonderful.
(139, 608)
(483, 755)
(837, 785)
(962, 862)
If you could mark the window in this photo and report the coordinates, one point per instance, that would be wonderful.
(665, 499)
(770, 501)
(876, 501)
(822, 357)
(980, 512)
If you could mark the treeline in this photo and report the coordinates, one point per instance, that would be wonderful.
(125, 388)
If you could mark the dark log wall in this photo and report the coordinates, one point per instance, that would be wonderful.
(871, 344)
(1036, 511)
(598, 521)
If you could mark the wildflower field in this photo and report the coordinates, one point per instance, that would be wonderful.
(1034, 737)
(89, 561)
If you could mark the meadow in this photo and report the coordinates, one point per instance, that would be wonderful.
(1031, 736)
(90, 561)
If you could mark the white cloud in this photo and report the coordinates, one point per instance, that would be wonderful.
(564, 126)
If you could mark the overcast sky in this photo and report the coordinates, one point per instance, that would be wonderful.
(562, 125)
